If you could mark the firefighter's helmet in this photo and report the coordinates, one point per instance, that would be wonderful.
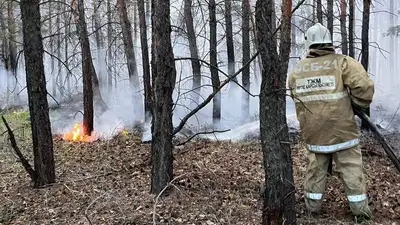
(317, 34)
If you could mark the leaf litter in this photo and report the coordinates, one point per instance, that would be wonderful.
(108, 182)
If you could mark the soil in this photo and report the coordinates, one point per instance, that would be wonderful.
(217, 182)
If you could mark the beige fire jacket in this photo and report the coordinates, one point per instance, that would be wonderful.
(322, 86)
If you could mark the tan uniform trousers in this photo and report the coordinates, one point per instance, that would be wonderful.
(349, 164)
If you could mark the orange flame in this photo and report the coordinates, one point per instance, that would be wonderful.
(77, 135)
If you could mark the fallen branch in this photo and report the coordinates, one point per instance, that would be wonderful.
(204, 132)
(25, 163)
(159, 195)
(86, 215)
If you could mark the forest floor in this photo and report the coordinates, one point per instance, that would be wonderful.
(218, 182)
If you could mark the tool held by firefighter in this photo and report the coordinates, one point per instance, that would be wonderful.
(324, 85)
(388, 149)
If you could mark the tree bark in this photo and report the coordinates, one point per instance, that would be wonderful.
(145, 61)
(109, 42)
(51, 43)
(229, 38)
(319, 12)
(279, 198)
(213, 61)
(92, 90)
(66, 30)
(4, 46)
(60, 76)
(330, 16)
(196, 67)
(365, 46)
(246, 13)
(163, 77)
(13, 48)
(130, 56)
(343, 28)
(37, 93)
(99, 40)
(351, 29)
(87, 71)
(12, 38)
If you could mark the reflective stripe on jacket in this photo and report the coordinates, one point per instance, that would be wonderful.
(322, 85)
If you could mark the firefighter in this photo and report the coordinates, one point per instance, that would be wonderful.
(325, 87)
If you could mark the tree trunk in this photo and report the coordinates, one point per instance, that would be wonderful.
(330, 17)
(66, 30)
(365, 45)
(99, 40)
(131, 60)
(51, 43)
(279, 198)
(109, 42)
(246, 13)
(343, 28)
(92, 90)
(4, 46)
(196, 67)
(12, 39)
(294, 44)
(163, 77)
(37, 93)
(229, 38)
(213, 61)
(351, 29)
(13, 48)
(145, 61)
(87, 71)
(319, 12)
(59, 64)
(135, 11)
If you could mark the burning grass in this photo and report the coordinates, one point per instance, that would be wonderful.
(77, 134)
(107, 182)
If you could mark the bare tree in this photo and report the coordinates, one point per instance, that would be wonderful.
(196, 67)
(279, 198)
(343, 28)
(88, 71)
(99, 38)
(229, 37)
(246, 13)
(163, 77)
(51, 42)
(365, 45)
(329, 16)
(37, 92)
(12, 47)
(67, 19)
(213, 61)
(130, 57)
(145, 60)
(109, 42)
(351, 29)
(319, 12)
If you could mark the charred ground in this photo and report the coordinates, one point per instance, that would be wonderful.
(107, 182)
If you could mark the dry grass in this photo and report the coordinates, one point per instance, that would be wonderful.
(107, 182)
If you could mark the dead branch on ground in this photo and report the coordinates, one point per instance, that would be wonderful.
(200, 133)
(161, 192)
(24, 161)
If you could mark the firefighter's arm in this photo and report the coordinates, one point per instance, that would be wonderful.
(359, 84)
